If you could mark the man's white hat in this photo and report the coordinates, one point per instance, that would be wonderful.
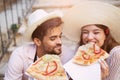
(91, 12)
(37, 18)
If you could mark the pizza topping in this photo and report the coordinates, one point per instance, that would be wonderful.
(85, 56)
(96, 50)
(47, 72)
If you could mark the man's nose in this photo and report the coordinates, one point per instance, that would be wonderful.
(59, 41)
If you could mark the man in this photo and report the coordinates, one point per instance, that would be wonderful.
(45, 31)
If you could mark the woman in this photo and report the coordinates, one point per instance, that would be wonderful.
(99, 23)
(98, 34)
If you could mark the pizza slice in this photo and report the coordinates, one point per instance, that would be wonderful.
(88, 54)
(48, 67)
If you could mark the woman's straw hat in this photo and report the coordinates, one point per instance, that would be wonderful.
(91, 12)
(37, 18)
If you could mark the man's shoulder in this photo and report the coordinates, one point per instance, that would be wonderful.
(27, 50)
(67, 54)
(26, 46)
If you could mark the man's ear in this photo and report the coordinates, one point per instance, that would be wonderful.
(37, 41)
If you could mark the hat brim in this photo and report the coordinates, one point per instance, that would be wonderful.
(91, 12)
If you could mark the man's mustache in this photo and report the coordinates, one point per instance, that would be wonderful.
(58, 45)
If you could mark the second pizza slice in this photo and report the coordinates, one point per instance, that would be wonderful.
(88, 54)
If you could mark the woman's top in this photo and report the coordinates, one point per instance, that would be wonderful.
(114, 64)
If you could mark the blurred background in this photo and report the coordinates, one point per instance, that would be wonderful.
(13, 22)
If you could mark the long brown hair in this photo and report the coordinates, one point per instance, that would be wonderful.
(42, 29)
(109, 42)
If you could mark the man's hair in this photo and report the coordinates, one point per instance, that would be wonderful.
(109, 42)
(42, 29)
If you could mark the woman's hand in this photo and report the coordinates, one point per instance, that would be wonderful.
(104, 68)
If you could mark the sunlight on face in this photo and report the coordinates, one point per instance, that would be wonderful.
(52, 41)
(94, 34)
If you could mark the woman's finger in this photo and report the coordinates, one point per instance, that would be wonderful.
(104, 68)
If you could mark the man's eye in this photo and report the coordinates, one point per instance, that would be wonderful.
(60, 36)
(52, 39)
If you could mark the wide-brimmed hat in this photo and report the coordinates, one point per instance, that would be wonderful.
(91, 12)
(37, 18)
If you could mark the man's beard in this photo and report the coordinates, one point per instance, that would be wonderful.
(56, 52)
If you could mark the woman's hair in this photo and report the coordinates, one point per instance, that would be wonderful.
(109, 42)
(42, 29)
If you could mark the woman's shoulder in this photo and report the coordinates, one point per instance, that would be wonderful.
(115, 51)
